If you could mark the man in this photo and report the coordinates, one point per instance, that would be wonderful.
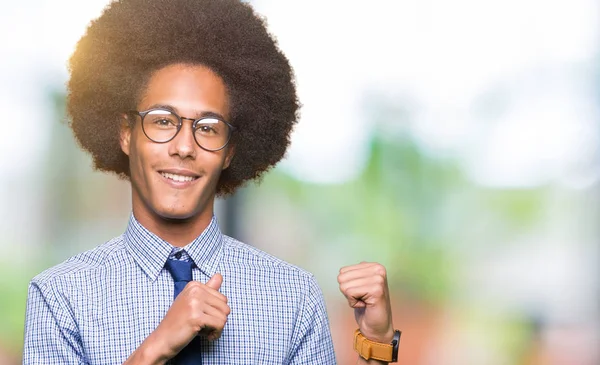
(188, 99)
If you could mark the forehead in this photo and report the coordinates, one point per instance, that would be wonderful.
(189, 89)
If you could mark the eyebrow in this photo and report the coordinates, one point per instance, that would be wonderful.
(197, 114)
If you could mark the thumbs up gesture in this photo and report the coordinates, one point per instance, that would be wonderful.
(198, 309)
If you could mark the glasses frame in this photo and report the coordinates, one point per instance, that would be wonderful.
(180, 119)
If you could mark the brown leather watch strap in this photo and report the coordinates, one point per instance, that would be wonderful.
(368, 349)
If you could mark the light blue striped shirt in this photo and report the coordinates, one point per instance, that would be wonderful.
(97, 307)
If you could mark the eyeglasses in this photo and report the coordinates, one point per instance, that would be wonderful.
(162, 125)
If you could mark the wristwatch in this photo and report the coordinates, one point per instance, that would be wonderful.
(368, 349)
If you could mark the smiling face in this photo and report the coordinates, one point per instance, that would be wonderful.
(176, 181)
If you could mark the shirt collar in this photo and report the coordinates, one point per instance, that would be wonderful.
(151, 252)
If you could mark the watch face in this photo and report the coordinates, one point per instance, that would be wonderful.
(395, 343)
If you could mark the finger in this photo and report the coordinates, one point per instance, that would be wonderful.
(362, 265)
(371, 284)
(354, 266)
(202, 303)
(216, 311)
(197, 289)
(212, 321)
(215, 282)
(214, 335)
(359, 274)
(355, 302)
(216, 294)
(365, 266)
(210, 334)
(354, 297)
(373, 270)
(370, 294)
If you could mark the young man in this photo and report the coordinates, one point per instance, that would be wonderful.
(188, 99)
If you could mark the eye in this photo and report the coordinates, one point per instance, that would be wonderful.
(205, 129)
(209, 127)
(161, 119)
(163, 122)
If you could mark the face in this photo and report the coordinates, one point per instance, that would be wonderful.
(176, 180)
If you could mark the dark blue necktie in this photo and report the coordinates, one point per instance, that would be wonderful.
(181, 271)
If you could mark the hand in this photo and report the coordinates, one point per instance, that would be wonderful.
(365, 287)
(198, 309)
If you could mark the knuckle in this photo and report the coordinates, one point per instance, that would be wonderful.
(380, 270)
(194, 287)
(222, 322)
(197, 319)
(194, 302)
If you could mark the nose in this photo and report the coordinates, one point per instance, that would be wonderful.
(184, 144)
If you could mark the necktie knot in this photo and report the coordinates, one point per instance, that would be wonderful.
(180, 270)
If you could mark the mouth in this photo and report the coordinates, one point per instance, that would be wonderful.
(179, 177)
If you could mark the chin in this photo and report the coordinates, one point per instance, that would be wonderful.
(176, 213)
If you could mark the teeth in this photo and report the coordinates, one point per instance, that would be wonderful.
(179, 178)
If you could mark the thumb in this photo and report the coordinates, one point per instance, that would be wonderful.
(355, 302)
(215, 282)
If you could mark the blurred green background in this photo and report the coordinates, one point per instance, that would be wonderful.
(456, 142)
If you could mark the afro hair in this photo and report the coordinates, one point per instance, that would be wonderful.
(114, 60)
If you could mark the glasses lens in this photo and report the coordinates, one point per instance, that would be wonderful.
(211, 133)
(160, 125)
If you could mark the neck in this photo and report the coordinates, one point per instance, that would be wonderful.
(177, 232)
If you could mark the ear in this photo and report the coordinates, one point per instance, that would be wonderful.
(229, 156)
(125, 133)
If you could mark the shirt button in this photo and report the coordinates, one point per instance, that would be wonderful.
(178, 255)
